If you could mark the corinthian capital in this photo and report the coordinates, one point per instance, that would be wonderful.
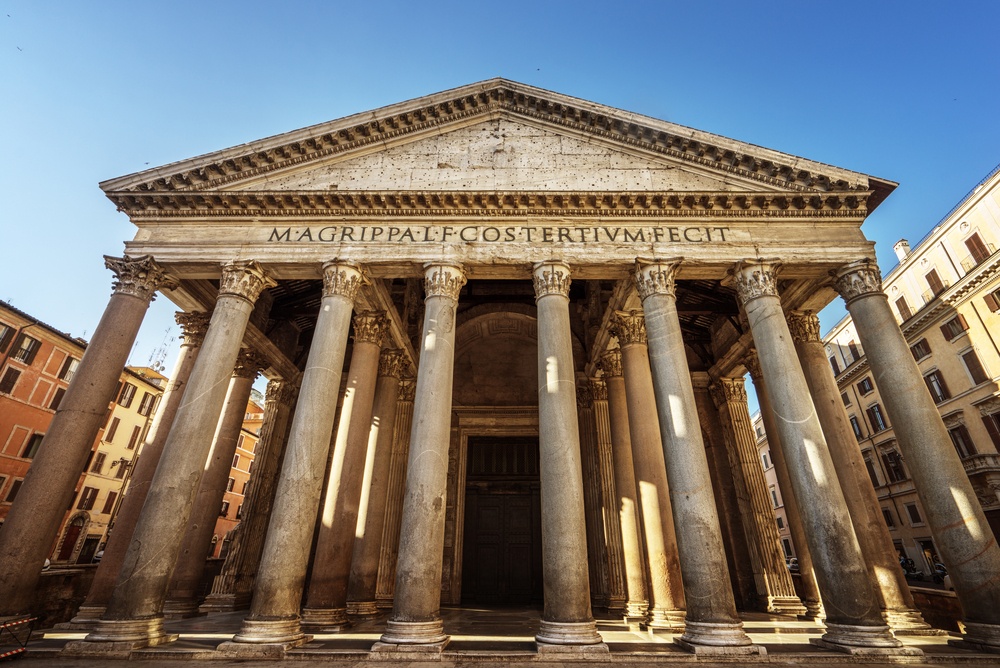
(551, 278)
(392, 362)
(858, 279)
(629, 327)
(407, 390)
(246, 279)
(733, 389)
(804, 326)
(280, 391)
(752, 363)
(584, 395)
(342, 278)
(756, 278)
(598, 389)
(249, 363)
(139, 277)
(370, 327)
(443, 280)
(656, 277)
(194, 325)
(611, 362)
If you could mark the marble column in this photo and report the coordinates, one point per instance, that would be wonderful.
(590, 459)
(326, 597)
(567, 623)
(960, 529)
(862, 501)
(374, 492)
(626, 501)
(132, 618)
(232, 587)
(385, 589)
(711, 625)
(807, 578)
(666, 611)
(272, 627)
(853, 618)
(185, 583)
(193, 328)
(33, 522)
(610, 504)
(415, 623)
(774, 583)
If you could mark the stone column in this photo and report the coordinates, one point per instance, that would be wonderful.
(132, 618)
(415, 623)
(667, 605)
(371, 517)
(385, 589)
(853, 619)
(774, 583)
(862, 501)
(231, 589)
(193, 328)
(33, 522)
(185, 582)
(326, 597)
(711, 625)
(807, 578)
(961, 533)
(610, 504)
(567, 622)
(596, 549)
(626, 503)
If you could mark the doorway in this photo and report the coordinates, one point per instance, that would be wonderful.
(502, 545)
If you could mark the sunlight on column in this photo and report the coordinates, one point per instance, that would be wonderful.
(815, 461)
(968, 514)
(339, 450)
(551, 375)
(366, 485)
(677, 415)
(430, 340)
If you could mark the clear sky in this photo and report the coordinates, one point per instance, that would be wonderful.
(907, 91)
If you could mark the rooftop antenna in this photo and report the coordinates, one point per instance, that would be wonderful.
(158, 356)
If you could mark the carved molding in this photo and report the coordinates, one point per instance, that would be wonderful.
(655, 277)
(752, 363)
(407, 390)
(138, 276)
(249, 363)
(392, 362)
(733, 390)
(629, 327)
(953, 420)
(804, 326)
(443, 280)
(598, 389)
(858, 279)
(246, 279)
(611, 363)
(584, 395)
(342, 278)
(194, 326)
(551, 278)
(989, 407)
(756, 278)
(370, 327)
(717, 393)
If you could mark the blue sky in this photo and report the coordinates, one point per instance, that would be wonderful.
(907, 91)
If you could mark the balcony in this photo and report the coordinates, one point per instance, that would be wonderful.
(985, 463)
(970, 262)
(929, 295)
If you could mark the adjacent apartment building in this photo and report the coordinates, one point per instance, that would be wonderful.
(239, 477)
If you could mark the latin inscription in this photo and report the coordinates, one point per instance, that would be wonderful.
(481, 233)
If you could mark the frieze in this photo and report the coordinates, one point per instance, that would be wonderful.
(629, 327)
(246, 279)
(755, 279)
(139, 276)
(341, 278)
(858, 279)
(392, 362)
(611, 363)
(804, 327)
(194, 326)
(655, 277)
(551, 278)
(443, 280)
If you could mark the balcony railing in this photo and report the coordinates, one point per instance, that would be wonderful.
(986, 463)
(970, 262)
(929, 295)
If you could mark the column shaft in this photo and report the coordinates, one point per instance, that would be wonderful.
(385, 589)
(596, 549)
(610, 504)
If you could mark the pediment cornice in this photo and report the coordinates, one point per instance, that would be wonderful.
(433, 113)
(852, 204)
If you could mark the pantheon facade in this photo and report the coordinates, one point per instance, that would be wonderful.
(505, 333)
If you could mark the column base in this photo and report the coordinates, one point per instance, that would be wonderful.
(325, 619)
(634, 611)
(363, 609)
(814, 610)
(786, 605)
(86, 619)
(402, 636)
(979, 637)
(233, 649)
(269, 632)
(118, 637)
(180, 608)
(225, 603)
(862, 640)
(664, 620)
(718, 639)
(566, 634)
(909, 622)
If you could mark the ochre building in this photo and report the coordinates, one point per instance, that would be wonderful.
(505, 332)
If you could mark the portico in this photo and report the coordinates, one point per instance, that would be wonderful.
(503, 243)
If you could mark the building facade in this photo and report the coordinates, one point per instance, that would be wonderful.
(576, 293)
(238, 482)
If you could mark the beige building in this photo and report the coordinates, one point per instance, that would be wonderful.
(238, 483)
(945, 293)
(773, 488)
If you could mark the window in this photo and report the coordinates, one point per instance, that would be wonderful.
(977, 249)
(239, 512)
(774, 497)
(876, 418)
(954, 328)
(937, 387)
(230, 485)
(911, 510)
(992, 301)
(870, 467)
(934, 282)
(992, 422)
(225, 509)
(87, 498)
(31, 449)
(250, 466)
(856, 426)
(109, 504)
(865, 386)
(833, 363)
(147, 403)
(127, 395)
(25, 349)
(134, 438)
(920, 349)
(240, 440)
(889, 522)
(68, 369)
(57, 398)
(109, 435)
(962, 441)
(15, 487)
(846, 399)
(975, 367)
(236, 461)
(905, 312)
(6, 334)
(853, 347)
(9, 380)
(781, 522)
(764, 459)
(786, 546)
(244, 490)
(894, 466)
(98, 466)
